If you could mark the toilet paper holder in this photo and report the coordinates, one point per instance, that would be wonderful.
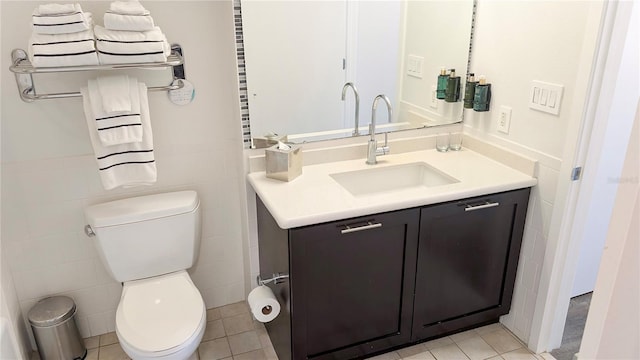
(276, 278)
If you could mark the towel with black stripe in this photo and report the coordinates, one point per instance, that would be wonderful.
(123, 165)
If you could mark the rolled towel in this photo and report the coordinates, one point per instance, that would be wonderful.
(63, 24)
(128, 8)
(115, 21)
(120, 127)
(124, 165)
(54, 9)
(74, 49)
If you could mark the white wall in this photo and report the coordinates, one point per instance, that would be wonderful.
(515, 43)
(49, 174)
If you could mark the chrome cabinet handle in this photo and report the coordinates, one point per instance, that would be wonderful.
(348, 229)
(481, 206)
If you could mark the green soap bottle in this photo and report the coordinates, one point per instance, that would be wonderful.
(482, 97)
(469, 91)
(442, 84)
(452, 93)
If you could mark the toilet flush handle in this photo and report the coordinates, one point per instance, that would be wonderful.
(89, 231)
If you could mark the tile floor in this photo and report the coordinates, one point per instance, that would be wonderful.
(232, 334)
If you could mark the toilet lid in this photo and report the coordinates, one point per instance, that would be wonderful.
(159, 313)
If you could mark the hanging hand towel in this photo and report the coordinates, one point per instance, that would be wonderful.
(114, 91)
(113, 21)
(128, 8)
(124, 165)
(116, 128)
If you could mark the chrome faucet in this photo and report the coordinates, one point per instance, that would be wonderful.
(356, 130)
(373, 150)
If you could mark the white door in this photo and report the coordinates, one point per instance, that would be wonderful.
(288, 94)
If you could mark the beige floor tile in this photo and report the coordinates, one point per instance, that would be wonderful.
(443, 341)
(214, 330)
(519, 354)
(270, 353)
(234, 309)
(108, 339)
(392, 355)
(411, 350)
(476, 348)
(501, 341)
(238, 324)
(265, 341)
(462, 336)
(112, 352)
(244, 342)
(496, 358)
(214, 349)
(92, 342)
(426, 355)
(92, 354)
(489, 328)
(252, 355)
(213, 314)
(448, 352)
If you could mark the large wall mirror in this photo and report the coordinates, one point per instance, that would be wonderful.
(299, 55)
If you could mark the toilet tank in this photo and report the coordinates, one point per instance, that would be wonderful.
(147, 236)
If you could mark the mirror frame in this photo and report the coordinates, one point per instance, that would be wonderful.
(242, 75)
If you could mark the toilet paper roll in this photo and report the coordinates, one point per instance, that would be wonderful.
(263, 303)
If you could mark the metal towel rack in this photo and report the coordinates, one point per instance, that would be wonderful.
(23, 70)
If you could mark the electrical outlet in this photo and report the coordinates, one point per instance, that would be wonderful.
(504, 120)
(434, 99)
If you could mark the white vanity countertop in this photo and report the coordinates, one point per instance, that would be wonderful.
(315, 197)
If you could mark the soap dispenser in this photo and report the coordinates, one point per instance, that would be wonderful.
(452, 93)
(469, 91)
(442, 84)
(482, 97)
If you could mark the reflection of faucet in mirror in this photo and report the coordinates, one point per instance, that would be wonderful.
(373, 150)
(356, 130)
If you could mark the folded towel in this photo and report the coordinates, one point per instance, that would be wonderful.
(62, 24)
(115, 21)
(103, 34)
(124, 165)
(121, 127)
(128, 8)
(135, 48)
(54, 9)
(114, 92)
(62, 50)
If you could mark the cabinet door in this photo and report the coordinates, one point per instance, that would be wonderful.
(467, 258)
(352, 285)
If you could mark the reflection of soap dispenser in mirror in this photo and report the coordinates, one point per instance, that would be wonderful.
(469, 91)
(482, 98)
(442, 84)
(452, 93)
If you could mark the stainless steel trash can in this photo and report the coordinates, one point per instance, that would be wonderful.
(53, 323)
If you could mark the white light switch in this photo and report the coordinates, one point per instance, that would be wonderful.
(505, 119)
(414, 66)
(545, 97)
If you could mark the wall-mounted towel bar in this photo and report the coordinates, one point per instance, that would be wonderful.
(23, 71)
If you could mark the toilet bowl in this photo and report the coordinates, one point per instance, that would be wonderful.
(163, 317)
(147, 243)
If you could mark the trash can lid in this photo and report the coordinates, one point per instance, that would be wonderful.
(51, 311)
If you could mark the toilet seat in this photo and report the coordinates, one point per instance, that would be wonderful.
(160, 315)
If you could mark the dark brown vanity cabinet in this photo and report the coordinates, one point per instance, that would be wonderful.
(467, 260)
(372, 283)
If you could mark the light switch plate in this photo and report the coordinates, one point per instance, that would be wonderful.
(414, 66)
(545, 97)
(504, 121)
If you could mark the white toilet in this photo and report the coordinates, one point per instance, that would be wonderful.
(147, 243)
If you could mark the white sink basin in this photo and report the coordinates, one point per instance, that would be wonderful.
(392, 178)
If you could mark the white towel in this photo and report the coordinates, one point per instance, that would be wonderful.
(128, 8)
(62, 50)
(128, 36)
(122, 22)
(50, 20)
(68, 24)
(115, 94)
(121, 127)
(135, 48)
(124, 165)
(54, 9)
